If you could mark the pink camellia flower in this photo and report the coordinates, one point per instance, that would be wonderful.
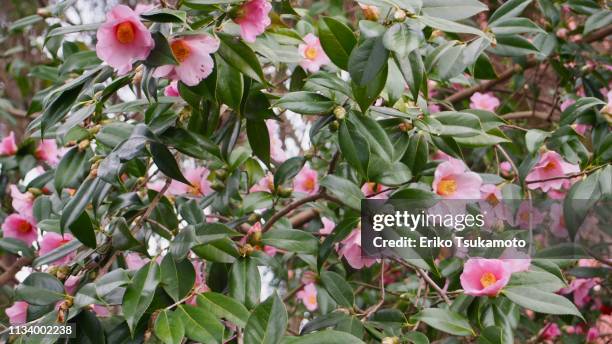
(551, 165)
(47, 151)
(308, 295)
(71, 284)
(123, 39)
(19, 227)
(550, 332)
(484, 101)
(566, 103)
(328, 226)
(265, 184)
(51, 241)
(506, 168)
(527, 216)
(494, 210)
(592, 335)
(253, 19)
(172, 89)
(198, 178)
(453, 180)
(557, 226)
(374, 191)
(313, 56)
(194, 60)
(8, 145)
(440, 155)
(276, 145)
(581, 288)
(581, 128)
(604, 325)
(433, 108)
(306, 181)
(17, 313)
(134, 261)
(482, 276)
(517, 261)
(23, 203)
(351, 250)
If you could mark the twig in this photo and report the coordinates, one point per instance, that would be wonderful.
(427, 279)
(507, 156)
(569, 176)
(292, 206)
(371, 310)
(9, 274)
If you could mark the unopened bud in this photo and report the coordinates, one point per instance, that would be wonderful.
(246, 250)
(285, 192)
(95, 129)
(83, 145)
(309, 154)
(370, 12)
(405, 126)
(43, 12)
(390, 340)
(339, 112)
(71, 143)
(256, 236)
(253, 218)
(221, 174)
(334, 126)
(399, 15)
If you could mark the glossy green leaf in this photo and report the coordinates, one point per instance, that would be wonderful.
(40, 289)
(177, 277)
(83, 230)
(245, 283)
(306, 103)
(267, 323)
(541, 301)
(224, 307)
(337, 41)
(139, 293)
(200, 325)
(259, 139)
(166, 162)
(240, 56)
(161, 54)
(169, 327)
(445, 321)
(367, 61)
(338, 288)
(291, 240)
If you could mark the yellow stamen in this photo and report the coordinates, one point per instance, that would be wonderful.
(447, 187)
(24, 227)
(311, 53)
(180, 49)
(125, 32)
(488, 279)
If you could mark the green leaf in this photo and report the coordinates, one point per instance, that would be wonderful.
(367, 61)
(165, 15)
(372, 131)
(453, 9)
(513, 46)
(164, 160)
(58, 253)
(400, 39)
(177, 277)
(337, 41)
(25, 22)
(512, 26)
(72, 168)
(15, 246)
(245, 282)
(365, 95)
(259, 139)
(598, 20)
(413, 71)
(417, 154)
(230, 85)
(209, 232)
(169, 327)
(445, 321)
(64, 30)
(324, 337)
(190, 143)
(306, 103)
(40, 289)
(416, 338)
(79, 61)
(354, 148)
(79, 202)
(343, 189)
(122, 238)
(491, 335)
(139, 294)
(267, 323)
(200, 325)
(579, 107)
(341, 231)
(161, 54)
(449, 26)
(540, 280)
(580, 199)
(83, 230)
(224, 307)
(534, 139)
(240, 56)
(509, 9)
(338, 288)
(291, 240)
(541, 301)
(287, 170)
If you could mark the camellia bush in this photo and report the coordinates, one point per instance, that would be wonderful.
(194, 170)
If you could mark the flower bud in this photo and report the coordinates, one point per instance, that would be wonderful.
(221, 173)
(405, 126)
(43, 12)
(309, 154)
(334, 126)
(285, 192)
(399, 15)
(339, 112)
(390, 340)
(253, 218)
(83, 145)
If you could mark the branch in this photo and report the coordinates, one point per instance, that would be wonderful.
(509, 73)
(9, 274)
(427, 279)
(292, 206)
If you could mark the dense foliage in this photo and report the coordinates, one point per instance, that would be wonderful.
(194, 169)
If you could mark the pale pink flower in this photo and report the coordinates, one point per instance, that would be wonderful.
(308, 295)
(517, 261)
(52, 241)
(351, 250)
(453, 180)
(313, 56)
(198, 178)
(276, 145)
(556, 194)
(270, 250)
(557, 226)
(440, 155)
(306, 181)
(550, 332)
(101, 311)
(265, 184)
(19, 227)
(8, 145)
(433, 108)
(172, 89)
(506, 168)
(47, 151)
(482, 276)
(374, 191)
(194, 61)
(494, 210)
(551, 165)
(527, 216)
(566, 103)
(256, 228)
(604, 325)
(71, 284)
(592, 335)
(581, 128)
(144, 8)
(328, 226)
(23, 203)
(253, 19)
(608, 108)
(134, 261)
(484, 101)
(123, 39)
(581, 287)
(17, 313)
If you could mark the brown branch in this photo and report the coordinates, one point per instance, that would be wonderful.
(9, 274)
(526, 114)
(427, 279)
(509, 73)
(286, 210)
